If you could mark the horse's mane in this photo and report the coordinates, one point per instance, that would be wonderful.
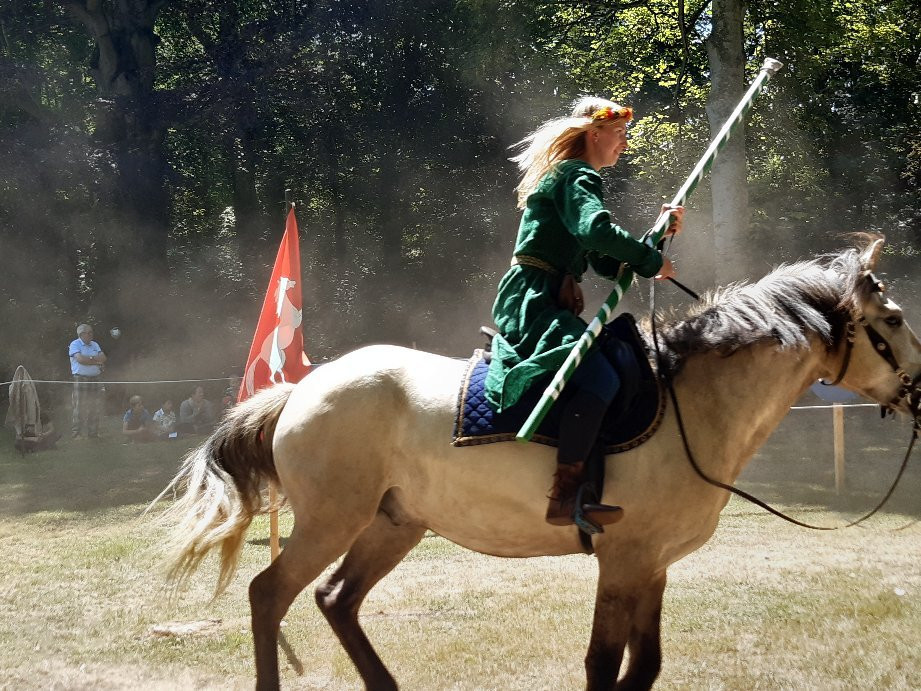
(785, 306)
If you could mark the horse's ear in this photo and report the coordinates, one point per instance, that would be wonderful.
(870, 255)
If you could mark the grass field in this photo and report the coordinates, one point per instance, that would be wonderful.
(763, 605)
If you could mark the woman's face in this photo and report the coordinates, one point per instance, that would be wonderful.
(606, 144)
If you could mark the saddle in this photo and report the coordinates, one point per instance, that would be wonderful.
(632, 418)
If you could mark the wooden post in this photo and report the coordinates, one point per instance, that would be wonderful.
(274, 541)
(837, 411)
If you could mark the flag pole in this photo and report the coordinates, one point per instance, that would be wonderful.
(274, 539)
(553, 390)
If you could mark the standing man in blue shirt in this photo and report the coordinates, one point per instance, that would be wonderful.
(86, 364)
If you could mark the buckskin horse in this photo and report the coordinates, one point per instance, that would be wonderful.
(360, 449)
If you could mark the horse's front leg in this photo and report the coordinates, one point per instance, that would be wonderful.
(610, 630)
(627, 613)
(645, 643)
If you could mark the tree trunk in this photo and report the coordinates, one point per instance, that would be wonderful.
(242, 132)
(252, 221)
(131, 244)
(393, 292)
(730, 169)
(332, 156)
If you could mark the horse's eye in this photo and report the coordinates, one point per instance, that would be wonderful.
(894, 321)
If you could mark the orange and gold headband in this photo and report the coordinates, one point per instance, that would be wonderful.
(609, 113)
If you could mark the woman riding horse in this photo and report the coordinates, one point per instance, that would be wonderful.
(361, 451)
(564, 229)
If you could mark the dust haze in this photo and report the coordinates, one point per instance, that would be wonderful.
(457, 244)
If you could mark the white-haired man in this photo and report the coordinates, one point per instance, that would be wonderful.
(86, 363)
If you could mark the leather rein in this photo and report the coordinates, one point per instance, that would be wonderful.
(909, 391)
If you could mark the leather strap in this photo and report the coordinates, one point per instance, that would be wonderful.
(569, 296)
(910, 389)
(850, 336)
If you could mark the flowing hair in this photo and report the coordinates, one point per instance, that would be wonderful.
(556, 140)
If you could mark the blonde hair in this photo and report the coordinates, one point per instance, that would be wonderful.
(559, 140)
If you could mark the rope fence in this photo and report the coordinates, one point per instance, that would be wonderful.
(164, 387)
(140, 381)
(107, 409)
(838, 432)
(835, 405)
(837, 409)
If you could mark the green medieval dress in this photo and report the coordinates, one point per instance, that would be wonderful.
(565, 228)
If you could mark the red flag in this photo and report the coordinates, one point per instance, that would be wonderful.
(277, 353)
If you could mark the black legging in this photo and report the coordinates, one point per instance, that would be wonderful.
(596, 382)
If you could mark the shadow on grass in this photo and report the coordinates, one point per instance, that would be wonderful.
(795, 467)
(87, 475)
(264, 541)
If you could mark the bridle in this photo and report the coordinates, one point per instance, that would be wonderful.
(909, 391)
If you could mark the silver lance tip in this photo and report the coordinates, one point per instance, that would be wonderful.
(771, 66)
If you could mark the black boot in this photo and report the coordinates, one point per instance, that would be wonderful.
(581, 421)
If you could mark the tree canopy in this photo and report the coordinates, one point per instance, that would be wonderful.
(148, 144)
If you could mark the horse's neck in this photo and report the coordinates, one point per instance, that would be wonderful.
(735, 403)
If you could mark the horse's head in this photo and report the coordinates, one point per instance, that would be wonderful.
(879, 355)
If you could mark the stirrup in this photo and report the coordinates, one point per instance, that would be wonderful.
(588, 514)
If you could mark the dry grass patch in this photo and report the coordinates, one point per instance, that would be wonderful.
(763, 605)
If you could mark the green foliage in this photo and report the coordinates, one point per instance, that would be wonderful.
(832, 144)
(390, 124)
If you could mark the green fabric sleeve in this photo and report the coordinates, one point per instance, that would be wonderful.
(578, 199)
(605, 266)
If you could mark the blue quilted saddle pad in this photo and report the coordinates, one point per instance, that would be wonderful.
(478, 423)
(634, 415)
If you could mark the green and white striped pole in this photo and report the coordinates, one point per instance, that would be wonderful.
(555, 388)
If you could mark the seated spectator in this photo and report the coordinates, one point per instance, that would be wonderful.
(229, 399)
(165, 420)
(137, 424)
(196, 414)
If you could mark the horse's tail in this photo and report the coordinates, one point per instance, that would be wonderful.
(221, 483)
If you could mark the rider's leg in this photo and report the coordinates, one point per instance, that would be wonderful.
(596, 383)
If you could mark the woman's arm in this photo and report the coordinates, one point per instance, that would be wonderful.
(578, 198)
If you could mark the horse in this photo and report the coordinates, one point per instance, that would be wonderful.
(361, 451)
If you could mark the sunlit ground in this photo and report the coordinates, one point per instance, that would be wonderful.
(763, 605)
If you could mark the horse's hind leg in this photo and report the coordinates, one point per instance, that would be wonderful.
(375, 553)
(273, 590)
